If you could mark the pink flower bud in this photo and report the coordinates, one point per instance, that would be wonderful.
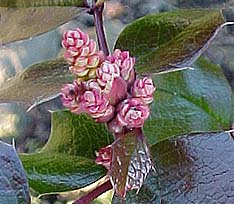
(107, 72)
(126, 64)
(107, 116)
(92, 84)
(103, 156)
(94, 103)
(144, 89)
(131, 113)
(70, 94)
(81, 53)
(86, 66)
(115, 88)
(75, 38)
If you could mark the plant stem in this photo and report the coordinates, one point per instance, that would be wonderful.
(95, 193)
(98, 21)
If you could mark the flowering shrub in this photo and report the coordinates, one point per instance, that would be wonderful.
(115, 125)
(112, 94)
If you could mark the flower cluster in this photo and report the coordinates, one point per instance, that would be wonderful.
(106, 88)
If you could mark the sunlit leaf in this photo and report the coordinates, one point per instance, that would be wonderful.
(36, 83)
(13, 183)
(170, 41)
(36, 3)
(189, 169)
(67, 161)
(17, 24)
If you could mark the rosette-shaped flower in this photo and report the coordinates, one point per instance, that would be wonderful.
(94, 103)
(81, 53)
(144, 89)
(131, 113)
(115, 88)
(103, 156)
(75, 38)
(107, 73)
(126, 64)
(70, 94)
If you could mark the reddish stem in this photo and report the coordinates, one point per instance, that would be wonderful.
(94, 193)
(98, 21)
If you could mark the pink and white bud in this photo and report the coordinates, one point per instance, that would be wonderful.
(75, 38)
(74, 55)
(86, 66)
(126, 64)
(103, 156)
(94, 103)
(91, 85)
(81, 53)
(131, 113)
(108, 115)
(70, 94)
(107, 73)
(144, 89)
(115, 88)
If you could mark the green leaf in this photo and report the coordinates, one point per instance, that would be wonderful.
(67, 160)
(54, 172)
(168, 41)
(17, 24)
(199, 100)
(76, 135)
(36, 3)
(13, 183)
(36, 83)
(189, 169)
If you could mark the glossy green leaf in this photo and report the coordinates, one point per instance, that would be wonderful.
(53, 172)
(36, 3)
(17, 24)
(76, 135)
(199, 100)
(168, 41)
(13, 183)
(67, 160)
(189, 169)
(37, 83)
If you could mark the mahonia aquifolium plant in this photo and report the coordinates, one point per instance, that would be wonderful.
(108, 89)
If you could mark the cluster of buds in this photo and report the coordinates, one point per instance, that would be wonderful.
(81, 53)
(106, 88)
